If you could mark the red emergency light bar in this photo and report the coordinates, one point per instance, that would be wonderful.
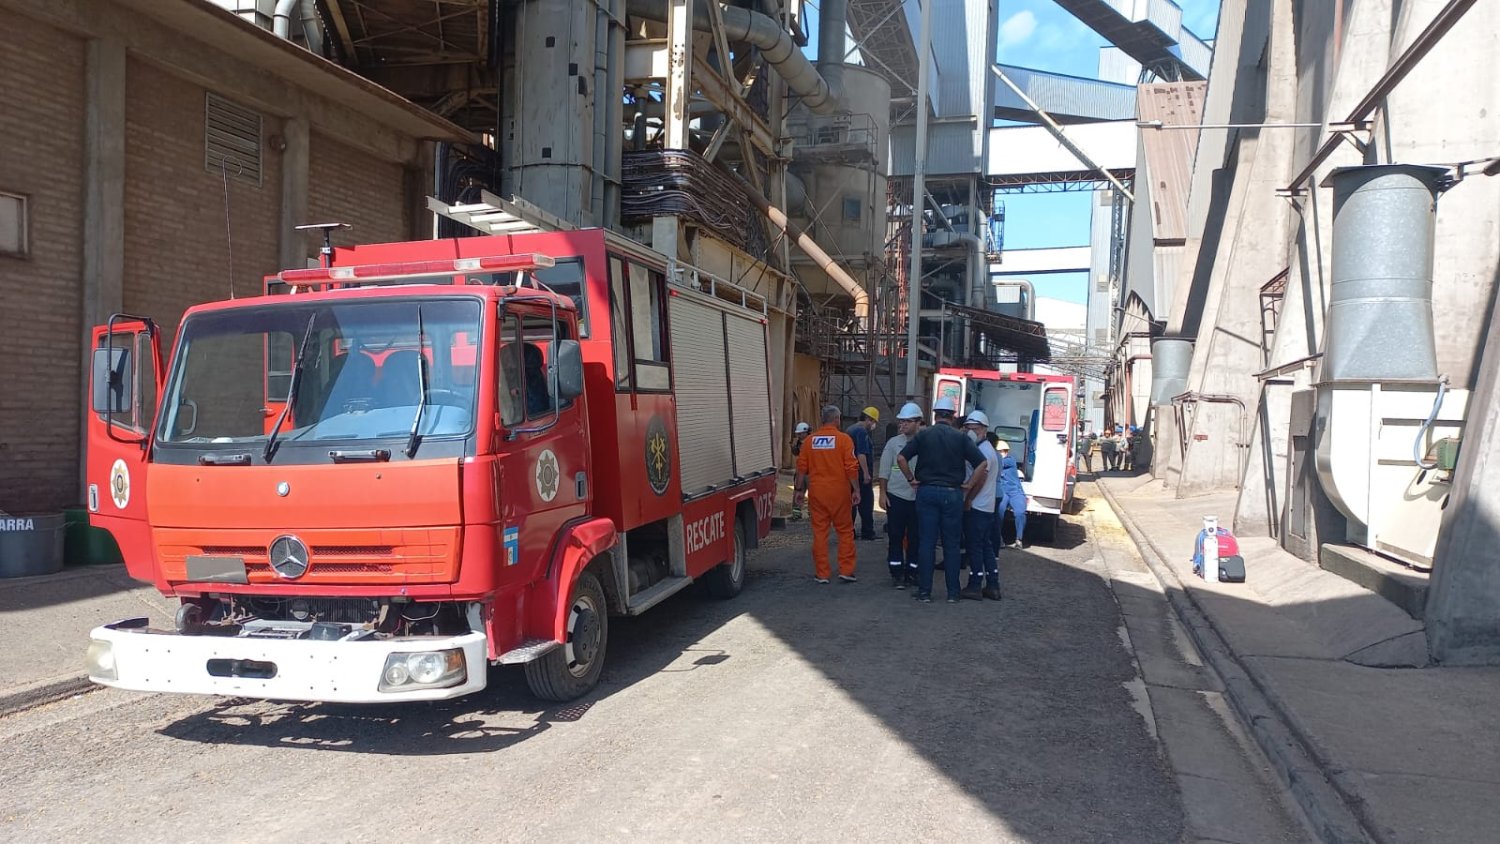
(318, 276)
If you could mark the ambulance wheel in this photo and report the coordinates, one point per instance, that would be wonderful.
(1046, 528)
(727, 578)
(572, 670)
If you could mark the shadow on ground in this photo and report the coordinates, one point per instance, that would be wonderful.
(1021, 703)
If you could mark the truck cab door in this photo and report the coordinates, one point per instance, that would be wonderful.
(125, 379)
(545, 464)
(954, 387)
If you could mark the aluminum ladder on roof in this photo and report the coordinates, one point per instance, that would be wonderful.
(495, 215)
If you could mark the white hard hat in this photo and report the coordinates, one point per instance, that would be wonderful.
(1003, 445)
(910, 410)
(802, 428)
(945, 403)
(978, 418)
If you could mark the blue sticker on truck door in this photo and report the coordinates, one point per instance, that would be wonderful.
(512, 545)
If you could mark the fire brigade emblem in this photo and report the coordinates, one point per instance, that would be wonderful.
(658, 455)
(547, 475)
(119, 484)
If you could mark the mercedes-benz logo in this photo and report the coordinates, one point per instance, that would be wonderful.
(288, 557)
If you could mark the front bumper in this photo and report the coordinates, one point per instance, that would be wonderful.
(347, 672)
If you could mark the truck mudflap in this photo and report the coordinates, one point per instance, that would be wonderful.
(129, 655)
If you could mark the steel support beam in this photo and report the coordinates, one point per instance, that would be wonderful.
(918, 194)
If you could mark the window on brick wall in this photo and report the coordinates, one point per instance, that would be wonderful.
(13, 234)
(231, 139)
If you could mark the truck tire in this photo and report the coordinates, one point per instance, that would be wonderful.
(1046, 528)
(573, 670)
(726, 579)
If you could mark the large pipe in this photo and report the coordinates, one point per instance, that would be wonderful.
(810, 248)
(833, 21)
(281, 18)
(312, 26)
(307, 12)
(763, 33)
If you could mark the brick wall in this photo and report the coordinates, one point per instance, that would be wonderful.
(346, 185)
(177, 246)
(41, 155)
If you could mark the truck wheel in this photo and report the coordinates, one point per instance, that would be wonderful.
(727, 578)
(1046, 528)
(573, 669)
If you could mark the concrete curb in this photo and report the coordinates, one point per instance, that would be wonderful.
(1329, 809)
(36, 694)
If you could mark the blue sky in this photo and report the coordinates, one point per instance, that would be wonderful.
(1038, 34)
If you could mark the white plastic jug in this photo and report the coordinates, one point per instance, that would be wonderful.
(1211, 549)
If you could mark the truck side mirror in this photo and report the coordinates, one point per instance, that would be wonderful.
(567, 369)
(112, 381)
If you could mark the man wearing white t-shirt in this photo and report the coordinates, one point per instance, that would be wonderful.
(979, 517)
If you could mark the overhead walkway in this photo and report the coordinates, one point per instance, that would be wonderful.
(1069, 99)
(1149, 32)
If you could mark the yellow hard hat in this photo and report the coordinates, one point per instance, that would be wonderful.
(872, 413)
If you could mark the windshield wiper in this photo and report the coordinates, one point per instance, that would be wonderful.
(413, 439)
(291, 390)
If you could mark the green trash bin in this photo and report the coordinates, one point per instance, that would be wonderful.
(86, 545)
(31, 545)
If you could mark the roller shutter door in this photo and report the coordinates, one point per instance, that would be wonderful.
(702, 394)
(750, 393)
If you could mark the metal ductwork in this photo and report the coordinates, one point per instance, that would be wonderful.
(1380, 304)
(763, 33)
(1379, 404)
(833, 21)
(1171, 361)
(307, 12)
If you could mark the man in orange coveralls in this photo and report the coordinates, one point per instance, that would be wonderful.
(827, 468)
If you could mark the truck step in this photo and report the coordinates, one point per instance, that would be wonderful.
(648, 598)
(531, 649)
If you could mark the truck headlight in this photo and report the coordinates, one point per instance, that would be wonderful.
(405, 672)
(100, 660)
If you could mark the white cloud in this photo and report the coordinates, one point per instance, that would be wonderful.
(1017, 28)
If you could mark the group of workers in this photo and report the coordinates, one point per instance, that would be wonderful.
(1116, 448)
(950, 482)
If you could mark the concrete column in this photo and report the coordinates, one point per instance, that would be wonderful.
(1463, 599)
(296, 161)
(419, 185)
(103, 205)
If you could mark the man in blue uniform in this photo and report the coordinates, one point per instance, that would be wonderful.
(864, 452)
(1008, 493)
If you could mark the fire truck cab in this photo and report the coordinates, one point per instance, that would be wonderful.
(423, 458)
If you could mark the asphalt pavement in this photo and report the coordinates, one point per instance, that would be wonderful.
(1074, 710)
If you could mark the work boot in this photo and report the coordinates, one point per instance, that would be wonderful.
(972, 592)
(991, 592)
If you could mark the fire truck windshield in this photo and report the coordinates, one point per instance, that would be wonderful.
(361, 380)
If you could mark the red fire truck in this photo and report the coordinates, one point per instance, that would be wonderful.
(424, 458)
(1038, 415)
